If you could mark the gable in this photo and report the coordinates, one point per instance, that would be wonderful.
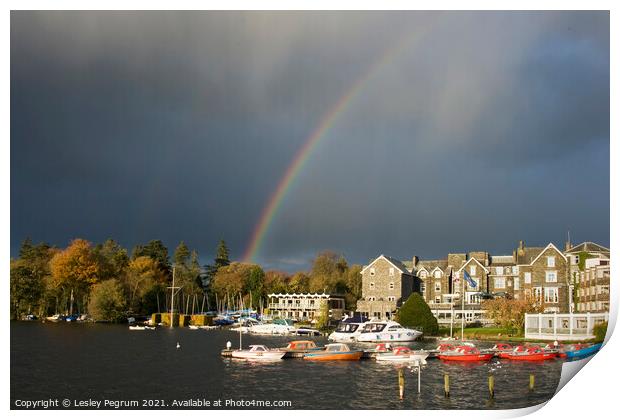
(382, 257)
(550, 246)
(470, 260)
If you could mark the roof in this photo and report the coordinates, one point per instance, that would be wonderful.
(468, 261)
(501, 260)
(530, 252)
(396, 263)
(588, 247)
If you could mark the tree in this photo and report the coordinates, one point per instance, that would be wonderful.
(328, 273)
(142, 277)
(107, 302)
(322, 321)
(74, 270)
(299, 283)
(510, 313)
(276, 282)
(112, 258)
(181, 255)
(26, 288)
(157, 251)
(238, 279)
(417, 314)
(221, 257)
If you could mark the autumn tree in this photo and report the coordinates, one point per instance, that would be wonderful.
(237, 279)
(299, 283)
(510, 313)
(143, 280)
(276, 282)
(157, 251)
(74, 270)
(328, 273)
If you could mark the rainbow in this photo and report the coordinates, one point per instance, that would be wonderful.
(301, 157)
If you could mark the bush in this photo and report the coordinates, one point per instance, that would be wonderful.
(417, 314)
(107, 301)
(599, 331)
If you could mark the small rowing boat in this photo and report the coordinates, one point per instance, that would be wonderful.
(531, 354)
(584, 351)
(402, 354)
(339, 351)
(465, 354)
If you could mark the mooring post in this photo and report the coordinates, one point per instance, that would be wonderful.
(401, 383)
(419, 373)
(491, 386)
(532, 380)
(446, 385)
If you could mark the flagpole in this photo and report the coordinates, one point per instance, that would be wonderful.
(462, 310)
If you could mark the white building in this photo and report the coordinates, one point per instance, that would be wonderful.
(305, 306)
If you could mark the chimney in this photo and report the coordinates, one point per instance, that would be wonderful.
(415, 260)
(567, 246)
(521, 251)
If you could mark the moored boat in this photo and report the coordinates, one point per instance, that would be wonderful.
(258, 352)
(402, 354)
(347, 331)
(387, 331)
(339, 351)
(301, 346)
(465, 354)
(531, 354)
(137, 328)
(584, 351)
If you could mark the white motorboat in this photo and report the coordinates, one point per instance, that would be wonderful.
(258, 352)
(403, 354)
(347, 332)
(245, 325)
(194, 327)
(387, 331)
(137, 328)
(277, 327)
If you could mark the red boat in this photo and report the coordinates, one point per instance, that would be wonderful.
(532, 354)
(465, 354)
(518, 349)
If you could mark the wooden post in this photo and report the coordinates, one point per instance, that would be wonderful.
(491, 386)
(532, 379)
(401, 383)
(446, 385)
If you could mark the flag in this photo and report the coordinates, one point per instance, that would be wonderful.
(470, 281)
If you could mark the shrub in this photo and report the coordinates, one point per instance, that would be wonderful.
(417, 314)
(599, 331)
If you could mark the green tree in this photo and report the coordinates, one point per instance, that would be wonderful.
(276, 282)
(600, 330)
(221, 257)
(299, 283)
(181, 255)
(26, 289)
(107, 301)
(417, 314)
(322, 322)
(328, 273)
(113, 259)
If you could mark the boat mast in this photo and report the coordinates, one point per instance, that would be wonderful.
(172, 293)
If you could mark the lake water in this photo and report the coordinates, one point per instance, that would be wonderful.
(86, 363)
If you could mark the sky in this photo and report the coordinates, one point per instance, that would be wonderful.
(468, 130)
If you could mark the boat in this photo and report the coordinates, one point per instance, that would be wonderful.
(336, 351)
(402, 354)
(310, 332)
(258, 352)
(465, 354)
(223, 321)
(584, 351)
(346, 332)
(387, 331)
(277, 327)
(194, 327)
(501, 349)
(55, 318)
(301, 346)
(531, 354)
(137, 327)
(245, 324)
(515, 350)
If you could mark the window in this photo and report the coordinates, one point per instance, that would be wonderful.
(372, 271)
(499, 270)
(371, 285)
(438, 286)
(391, 298)
(422, 287)
(371, 298)
(391, 286)
(551, 295)
(550, 261)
(516, 280)
(423, 274)
(537, 293)
(515, 269)
(551, 276)
(437, 274)
(500, 283)
(472, 270)
(437, 299)
(391, 271)
(527, 277)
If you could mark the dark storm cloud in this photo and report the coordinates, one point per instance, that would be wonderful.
(486, 128)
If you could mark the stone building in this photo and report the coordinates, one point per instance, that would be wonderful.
(589, 276)
(386, 285)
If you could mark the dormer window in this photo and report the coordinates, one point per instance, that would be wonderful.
(423, 275)
(437, 274)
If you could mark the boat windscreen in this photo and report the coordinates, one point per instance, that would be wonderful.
(373, 328)
(347, 327)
